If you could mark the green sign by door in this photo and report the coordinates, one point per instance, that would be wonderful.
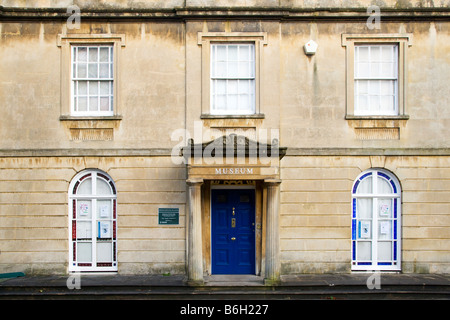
(168, 215)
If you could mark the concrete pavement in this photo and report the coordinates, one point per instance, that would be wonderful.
(305, 286)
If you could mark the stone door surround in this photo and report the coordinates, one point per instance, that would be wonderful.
(233, 158)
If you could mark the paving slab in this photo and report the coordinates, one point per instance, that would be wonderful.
(305, 286)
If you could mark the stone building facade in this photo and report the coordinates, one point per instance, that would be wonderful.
(221, 137)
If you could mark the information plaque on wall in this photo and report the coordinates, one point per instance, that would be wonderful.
(168, 215)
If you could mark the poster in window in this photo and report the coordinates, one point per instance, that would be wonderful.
(364, 229)
(104, 229)
(384, 210)
(84, 209)
(385, 227)
(104, 211)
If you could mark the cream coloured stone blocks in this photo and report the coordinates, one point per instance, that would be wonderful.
(159, 91)
(120, 4)
(34, 213)
(302, 97)
(316, 212)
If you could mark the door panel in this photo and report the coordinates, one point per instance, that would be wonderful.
(233, 231)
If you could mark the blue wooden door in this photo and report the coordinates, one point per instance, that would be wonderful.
(233, 231)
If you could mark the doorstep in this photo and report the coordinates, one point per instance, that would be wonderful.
(241, 280)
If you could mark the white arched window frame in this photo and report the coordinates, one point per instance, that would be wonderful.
(93, 222)
(376, 221)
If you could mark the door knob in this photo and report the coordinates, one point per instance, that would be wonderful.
(233, 238)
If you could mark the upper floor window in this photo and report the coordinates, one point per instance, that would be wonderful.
(376, 79)
(376, 67)
(89, 82)
(231, 64)
(233, 79)
(92, 80)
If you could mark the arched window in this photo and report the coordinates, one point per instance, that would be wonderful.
(376, 218)
(93, 222)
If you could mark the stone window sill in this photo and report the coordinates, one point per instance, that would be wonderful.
(377, 127)
(226, 116)
(399, 117)
(90, 118)
(90, 128)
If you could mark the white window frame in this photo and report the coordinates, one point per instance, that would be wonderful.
(393, 220)
(403, 41)
(92, 82)
(74, 201)
(237, 79)
(205, 39)
(376, 80)
(66, 42)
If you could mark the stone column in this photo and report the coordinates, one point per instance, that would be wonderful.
(273, 265)
(195, 258)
